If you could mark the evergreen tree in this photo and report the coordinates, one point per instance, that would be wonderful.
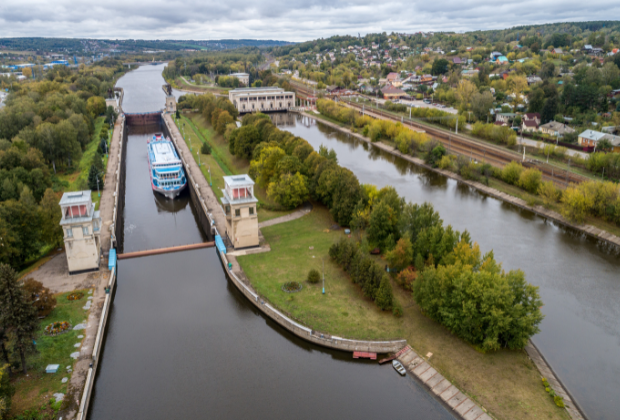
(384, 294)
(93, 176)
(16, 312)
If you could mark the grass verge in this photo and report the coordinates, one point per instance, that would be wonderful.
(505, 382)
(198, 131)
(37, 388)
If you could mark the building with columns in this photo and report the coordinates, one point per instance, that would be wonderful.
(81, 226)
(263, 99)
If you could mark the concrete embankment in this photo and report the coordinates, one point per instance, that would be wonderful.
(540, 210)
(216, 219)
(110, 207)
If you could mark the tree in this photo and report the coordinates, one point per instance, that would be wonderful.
(243, 142)
(50, 215)
(439, 67)
(512, 172)
(380, 225)
(95, 178)
(547, 70)
(609, 73)
(95, 106)
(550, 108)
(402, 254)
(223, 119)
(464, 92)
(384, 296)
(6, 391)
(40, 297)
(481, 104)
(16, 312)
(576, 203)
(289, 191)
(530, 180)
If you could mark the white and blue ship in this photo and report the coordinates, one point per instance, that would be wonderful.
(167, 174)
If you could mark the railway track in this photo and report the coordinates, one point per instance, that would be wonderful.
(475, 150)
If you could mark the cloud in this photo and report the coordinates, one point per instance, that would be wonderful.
(295, 20)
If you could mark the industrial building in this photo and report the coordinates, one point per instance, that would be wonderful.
(263, 99)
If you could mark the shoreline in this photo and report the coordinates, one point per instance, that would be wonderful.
(589, 230)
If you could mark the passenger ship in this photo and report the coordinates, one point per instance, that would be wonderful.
(167, 175)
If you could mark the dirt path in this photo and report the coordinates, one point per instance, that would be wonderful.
(305, 209)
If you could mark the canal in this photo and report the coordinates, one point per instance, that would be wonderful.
(579, 277)
(183, 343)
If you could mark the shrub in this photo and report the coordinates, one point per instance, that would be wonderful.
(314, 276)
(205, 149)
(446, 163)
(559, 401)
(384, 295)
(434, 154)
(397, 308)
(406, 278)
(512, 172)
(41, 297)
(530, 180)
(548, 192)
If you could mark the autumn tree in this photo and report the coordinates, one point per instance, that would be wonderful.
(464, 93)
(402, 254)
(289, 191)
(40, 297)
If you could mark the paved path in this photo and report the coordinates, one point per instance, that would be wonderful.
(305, 209)
(443, 388)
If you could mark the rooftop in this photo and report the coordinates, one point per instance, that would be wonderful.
(592, 135)
(238, 180)
(164, 153)
(75, 197)
(258, 89)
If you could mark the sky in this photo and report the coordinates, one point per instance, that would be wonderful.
(293, 20)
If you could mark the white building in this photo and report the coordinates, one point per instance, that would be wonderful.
(81, 226)
(263, 99)
(241, 213)
(243, 78)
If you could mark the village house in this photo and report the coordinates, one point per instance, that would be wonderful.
(528, 126)
(590, 138)
(555, 129)
(391, 92)
(505, 117)
(532, 116)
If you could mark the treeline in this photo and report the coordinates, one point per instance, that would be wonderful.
(291, 170)
(367, 273)
(44, 128)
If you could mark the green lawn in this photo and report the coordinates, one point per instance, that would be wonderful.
(80, 174)
(505, 382)
(34, 390)
(222, 163)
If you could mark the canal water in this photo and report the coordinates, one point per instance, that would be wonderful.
(183, 343)
(579, 277)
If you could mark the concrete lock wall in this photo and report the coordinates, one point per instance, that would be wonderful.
(322, 339)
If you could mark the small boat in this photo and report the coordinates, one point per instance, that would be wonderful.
(167, 174)
(399, 367)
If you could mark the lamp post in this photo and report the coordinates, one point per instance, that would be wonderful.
(323, 259)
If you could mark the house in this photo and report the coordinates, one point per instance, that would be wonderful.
(532, 116)
(555, 129)
(81, 226)
(495, 55)
(533, 80)
(391, 92)
(501, 60)
(529, 126)
(505, 117)
(457, 60)
(240, 208)
(590, 138)
(556, 51)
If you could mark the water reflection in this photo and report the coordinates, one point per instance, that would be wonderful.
(577, 275)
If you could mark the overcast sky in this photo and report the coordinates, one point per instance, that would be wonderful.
(293, 20)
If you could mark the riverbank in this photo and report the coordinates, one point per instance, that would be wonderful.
(540, 210)
(451, 356)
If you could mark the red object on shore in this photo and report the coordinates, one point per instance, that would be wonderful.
(364, 355)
